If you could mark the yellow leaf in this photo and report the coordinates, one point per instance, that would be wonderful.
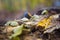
(45, 22)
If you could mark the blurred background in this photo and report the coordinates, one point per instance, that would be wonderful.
(13, 9)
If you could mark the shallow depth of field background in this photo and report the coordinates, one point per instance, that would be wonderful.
(11, 9)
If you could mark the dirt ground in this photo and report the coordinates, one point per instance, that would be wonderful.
(31, 36)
